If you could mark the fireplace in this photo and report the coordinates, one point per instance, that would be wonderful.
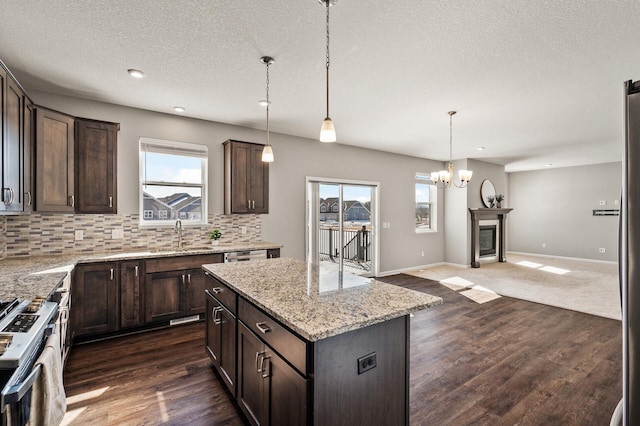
(488, 240)
(488, 232)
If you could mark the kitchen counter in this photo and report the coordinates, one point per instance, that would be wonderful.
(316, 302)
(28, 277)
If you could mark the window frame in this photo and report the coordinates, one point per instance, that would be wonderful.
(179, 149)
(425, 179)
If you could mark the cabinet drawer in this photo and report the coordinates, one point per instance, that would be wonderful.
(287, 344)
(222, 293)
(165, 264)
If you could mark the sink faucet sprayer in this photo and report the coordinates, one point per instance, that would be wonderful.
(178, 229)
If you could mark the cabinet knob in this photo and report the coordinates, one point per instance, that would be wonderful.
(216, 290)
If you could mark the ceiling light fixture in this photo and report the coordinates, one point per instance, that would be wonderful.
(327, 131)
(267, 152)
(446, 176)
(179, 109)
(135, 73)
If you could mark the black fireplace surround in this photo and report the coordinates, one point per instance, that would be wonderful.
(488, 240)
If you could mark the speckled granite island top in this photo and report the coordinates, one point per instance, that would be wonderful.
(313, 301)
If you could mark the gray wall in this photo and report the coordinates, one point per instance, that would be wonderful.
(400, 247)
(555, 207)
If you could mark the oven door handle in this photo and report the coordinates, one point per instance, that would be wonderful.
(16, 392)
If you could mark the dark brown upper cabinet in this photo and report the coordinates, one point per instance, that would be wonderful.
(246, 178)
(16, 136)
(55, 169)
(96, 158)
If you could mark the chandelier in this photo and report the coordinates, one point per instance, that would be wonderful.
(446, 176)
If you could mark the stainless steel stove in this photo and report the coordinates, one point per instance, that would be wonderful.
(24, 329)
(21, 329)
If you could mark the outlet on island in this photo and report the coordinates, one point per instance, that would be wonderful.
(117, 233)
(366, 363)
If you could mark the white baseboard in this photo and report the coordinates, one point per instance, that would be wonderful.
(549, 256)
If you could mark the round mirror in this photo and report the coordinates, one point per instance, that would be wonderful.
(487, 190)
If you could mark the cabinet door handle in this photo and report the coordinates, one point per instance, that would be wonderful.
(216, 319)
(30, 198)
(189, 278)
(216, 290)
(111, 274)
(263, 327)
(135, 269)
(183, 279)
(265, 371)
(259, 361)
(110, 201)
(7, 196)
(13, 195)
(253, 204)
(72, 200)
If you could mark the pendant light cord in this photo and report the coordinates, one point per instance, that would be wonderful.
(268, 63)
(450, 138)
(328, 60)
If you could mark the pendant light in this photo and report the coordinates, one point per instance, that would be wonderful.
(446, 176)
(267, 152)
(327, 131)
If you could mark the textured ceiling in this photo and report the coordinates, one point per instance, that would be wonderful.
(534, 82)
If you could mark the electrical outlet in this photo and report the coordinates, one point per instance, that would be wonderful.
(366, 363)
(602, 250)
(117, 233)
(616, 202)
(79, 235)
(603, 203)
(243, 229)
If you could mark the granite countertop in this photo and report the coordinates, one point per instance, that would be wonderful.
(29, 277)
(313, 301)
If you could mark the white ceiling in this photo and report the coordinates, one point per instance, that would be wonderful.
(534, 82)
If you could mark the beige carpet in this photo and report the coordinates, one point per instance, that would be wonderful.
(571, 284)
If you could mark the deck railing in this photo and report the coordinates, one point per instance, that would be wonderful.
(355, 251)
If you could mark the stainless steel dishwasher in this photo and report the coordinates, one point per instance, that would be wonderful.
(244, 256)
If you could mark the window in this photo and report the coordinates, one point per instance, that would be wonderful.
(426, 194)
(173, 182)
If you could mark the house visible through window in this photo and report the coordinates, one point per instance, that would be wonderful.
(426, 195)
(173, 182)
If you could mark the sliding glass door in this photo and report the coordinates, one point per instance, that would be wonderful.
(341, 225)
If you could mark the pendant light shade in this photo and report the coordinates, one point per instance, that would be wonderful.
(267, 154)
(267, 151)
(328, 130)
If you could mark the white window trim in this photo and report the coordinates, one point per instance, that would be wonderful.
(433, 196)
(173, 147)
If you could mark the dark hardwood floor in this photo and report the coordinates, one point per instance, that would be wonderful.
(505, 362)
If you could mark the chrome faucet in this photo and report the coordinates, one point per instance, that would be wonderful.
(178, 229)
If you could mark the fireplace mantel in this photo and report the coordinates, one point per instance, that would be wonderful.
(487, 214)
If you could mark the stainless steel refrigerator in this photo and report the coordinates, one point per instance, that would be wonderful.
(629, 257)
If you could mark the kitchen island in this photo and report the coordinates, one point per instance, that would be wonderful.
(304, 344)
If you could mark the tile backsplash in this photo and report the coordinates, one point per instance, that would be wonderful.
(44, 234)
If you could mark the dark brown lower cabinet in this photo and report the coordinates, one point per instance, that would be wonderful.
(221, 340)
(164, 296)
(195, 302)
(94, 291)
(130, 272)
(269, 391)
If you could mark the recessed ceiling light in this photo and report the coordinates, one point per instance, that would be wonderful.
(480, 148)
(135, 73)
(264, 103)
(179, 109)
